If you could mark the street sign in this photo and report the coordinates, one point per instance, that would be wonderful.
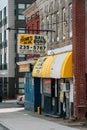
(32, 44)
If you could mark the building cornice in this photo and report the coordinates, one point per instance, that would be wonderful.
(30, 10)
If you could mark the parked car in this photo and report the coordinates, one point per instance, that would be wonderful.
(20, 100)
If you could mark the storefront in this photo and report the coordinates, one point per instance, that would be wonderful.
(55, 72)
(31, 86)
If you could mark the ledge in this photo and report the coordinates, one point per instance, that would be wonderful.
(82, 106)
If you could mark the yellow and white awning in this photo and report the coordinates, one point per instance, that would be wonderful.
(55, 66)
(62, 66)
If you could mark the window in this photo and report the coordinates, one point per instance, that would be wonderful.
(21, 17)
(47, 22)
(0, 38)
(4, 12)
(21, 8)
(0, 15)
(0, 18)
(20, 11)
(57, 25)
(52, 28)
(4, 16)
(56, 4)
(4, 58)
(64, 19)
(21, 30)
(4, 35)
(70, 20)
(42, 25)
(0, 59)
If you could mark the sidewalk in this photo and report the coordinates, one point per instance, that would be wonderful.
(26, 120)
(66, 122)
(19, 117)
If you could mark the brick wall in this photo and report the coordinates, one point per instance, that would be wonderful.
(32, 25)
(53, 9)
(78, 7)
(86, 35)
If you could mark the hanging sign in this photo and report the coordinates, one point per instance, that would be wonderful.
(24, 68)
(32, 44)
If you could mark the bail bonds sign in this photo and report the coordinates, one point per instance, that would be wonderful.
(32, 44)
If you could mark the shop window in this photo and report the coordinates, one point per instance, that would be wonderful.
(47, 87)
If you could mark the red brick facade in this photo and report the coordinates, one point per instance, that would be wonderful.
(86, 36)
(33, 27)
(33, 24)
(80, 84)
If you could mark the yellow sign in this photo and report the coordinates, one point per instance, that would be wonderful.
(26, 40)
(61, 96)
(32, 44)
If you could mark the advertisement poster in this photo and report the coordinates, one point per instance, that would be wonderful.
(32, 44)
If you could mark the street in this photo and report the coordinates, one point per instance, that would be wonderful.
(14, 117)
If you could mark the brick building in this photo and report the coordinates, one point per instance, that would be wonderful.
(32, 19)
(55, 15)
(80, 56)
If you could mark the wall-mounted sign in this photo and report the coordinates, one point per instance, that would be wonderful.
(32, 44)
(24, 68)
(61, 96)
(39, 65)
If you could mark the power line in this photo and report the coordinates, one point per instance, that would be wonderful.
(48, 30)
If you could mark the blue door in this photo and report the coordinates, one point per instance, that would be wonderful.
(29, 92)
(32, 92)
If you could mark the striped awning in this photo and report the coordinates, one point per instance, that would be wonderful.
(55, 66)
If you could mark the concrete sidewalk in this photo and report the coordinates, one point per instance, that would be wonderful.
(68, 122)
(26, 120)
(17, 118)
